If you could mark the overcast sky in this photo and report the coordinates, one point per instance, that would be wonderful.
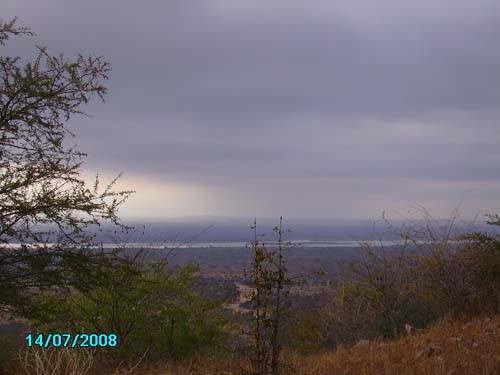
(301, 108)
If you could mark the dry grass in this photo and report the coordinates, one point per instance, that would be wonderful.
(63, 361)
(450, 347)
(447, 348)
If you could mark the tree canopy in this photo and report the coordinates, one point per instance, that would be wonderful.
(46, 207)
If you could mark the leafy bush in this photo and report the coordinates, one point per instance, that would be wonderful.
(155, 310)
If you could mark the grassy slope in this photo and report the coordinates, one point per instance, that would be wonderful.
(449, 347)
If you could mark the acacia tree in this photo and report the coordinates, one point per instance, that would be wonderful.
(46, 208)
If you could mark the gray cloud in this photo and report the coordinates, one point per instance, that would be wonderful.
(220, 92)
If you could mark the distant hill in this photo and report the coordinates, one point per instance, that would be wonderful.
(221, 229)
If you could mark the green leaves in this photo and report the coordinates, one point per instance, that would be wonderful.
(148, 306)
(43, 198)
(9, 28)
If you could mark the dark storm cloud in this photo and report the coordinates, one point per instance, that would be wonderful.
(209, 91)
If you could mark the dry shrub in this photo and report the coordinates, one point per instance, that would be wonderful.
(435, 271)
(480, 258)
(56, 361)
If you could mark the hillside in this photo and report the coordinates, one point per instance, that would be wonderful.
(449, 347)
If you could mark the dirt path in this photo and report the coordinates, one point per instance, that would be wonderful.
(244, 295)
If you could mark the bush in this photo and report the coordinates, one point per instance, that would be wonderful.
(155, 310)
(58, 361)
(432, 275)
(480, 258)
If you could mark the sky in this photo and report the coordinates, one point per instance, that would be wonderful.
(302, 108)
